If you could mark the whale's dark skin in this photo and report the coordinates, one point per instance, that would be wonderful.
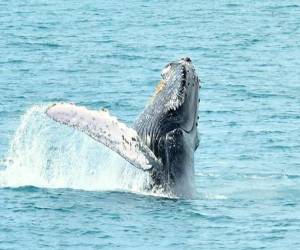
(170, 130)
(164, 137)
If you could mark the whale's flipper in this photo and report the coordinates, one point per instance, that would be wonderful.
(104, 128)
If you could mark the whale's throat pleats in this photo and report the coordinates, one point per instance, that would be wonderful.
(152, 127)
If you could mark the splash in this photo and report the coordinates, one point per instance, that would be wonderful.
(44, 153)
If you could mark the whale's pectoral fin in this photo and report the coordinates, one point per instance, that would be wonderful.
(104, 128)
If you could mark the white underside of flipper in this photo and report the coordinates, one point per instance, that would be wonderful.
(106, 129)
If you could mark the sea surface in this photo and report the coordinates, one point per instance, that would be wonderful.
(61, 190)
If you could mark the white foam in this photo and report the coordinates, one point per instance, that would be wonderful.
(210, 196)
(44, 153)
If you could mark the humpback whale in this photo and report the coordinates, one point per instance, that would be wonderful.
(162, 140)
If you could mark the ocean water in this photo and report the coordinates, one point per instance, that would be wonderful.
(61, 190)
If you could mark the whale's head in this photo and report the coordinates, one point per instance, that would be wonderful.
(177, 94)
(168, 126)
(175, 105)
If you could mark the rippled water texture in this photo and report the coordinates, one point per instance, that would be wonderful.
(61, 190)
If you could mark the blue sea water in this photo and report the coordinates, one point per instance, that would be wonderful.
(61, 190)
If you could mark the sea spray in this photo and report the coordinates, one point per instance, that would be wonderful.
(44, 153)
